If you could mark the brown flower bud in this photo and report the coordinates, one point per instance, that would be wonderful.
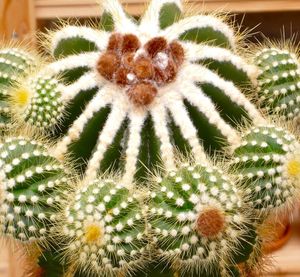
(142, 94)
(143, 68)
(121, 76)
(108, 64)
(130, 43)
(115, 42)
(156, 45)
(177, 52)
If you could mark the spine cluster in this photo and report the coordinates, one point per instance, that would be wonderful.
(14, 63)
(268, 164)
(279, 82)
(31, 184)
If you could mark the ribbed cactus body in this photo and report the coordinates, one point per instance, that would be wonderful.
(14, 63)
(198, 222)
(268, 163)
(138, 91)
(37, 101)
(105, 231)
(30, 178)
(279, 82)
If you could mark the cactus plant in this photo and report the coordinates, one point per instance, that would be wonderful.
(268, 163)
(37, 100)
(14, 63)
(30, 178)
(198, 220)
(103, 226)
(126, 101)
(279, 82)
(138, 92)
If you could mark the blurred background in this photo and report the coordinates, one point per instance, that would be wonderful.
(21, 19)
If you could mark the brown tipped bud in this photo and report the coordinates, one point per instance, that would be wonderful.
(167, 75)
(210, 222)
(130, 43)
(108, 64)
(177, 52)
(127, 60)
(156, 45)
(142, 94)
(115, 42)
(143, 68)
(121, 76)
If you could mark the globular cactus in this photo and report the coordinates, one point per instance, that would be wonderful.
(199, 223)
(36, 100)
(268, 163)
(137, 92)
(14, 63)
(103, 226)
(30, 178)
(278, 82)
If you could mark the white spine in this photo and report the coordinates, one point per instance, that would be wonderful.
(195, 52)
(81, 60)
(150, 21)
(122, 23)
(134, 141)
(200, 21)
(84, 83)
(204, 104)
(99, 101)
(110, 129)
(188, 131)
(160, 120)
(99, 38)
(201, 74)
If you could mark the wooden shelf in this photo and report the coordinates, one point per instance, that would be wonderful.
(90, 8)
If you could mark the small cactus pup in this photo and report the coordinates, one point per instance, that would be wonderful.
(199, 223)
(14, 63)
(36, 101)
(142, 90)
(30, 178)
(104, 231)
(279, 82)
(268, 164)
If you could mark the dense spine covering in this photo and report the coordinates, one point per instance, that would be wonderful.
(267, 162)
(37, 100)
(198, 221)
(30, 182)
(136, 92)
(279, 82)
(14, 63)
(104, 228)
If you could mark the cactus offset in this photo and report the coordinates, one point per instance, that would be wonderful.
(268, 163)
(198, 221)
(14, 63)
(37, 101)
(279, 82)
(104, 228)
(30, 178)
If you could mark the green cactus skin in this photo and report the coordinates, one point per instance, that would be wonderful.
(30, 178)
(195, 110)
(268, 163)
(37, 100)
(104, 229)
(14, 63)
(197, 221)
(279, 82)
